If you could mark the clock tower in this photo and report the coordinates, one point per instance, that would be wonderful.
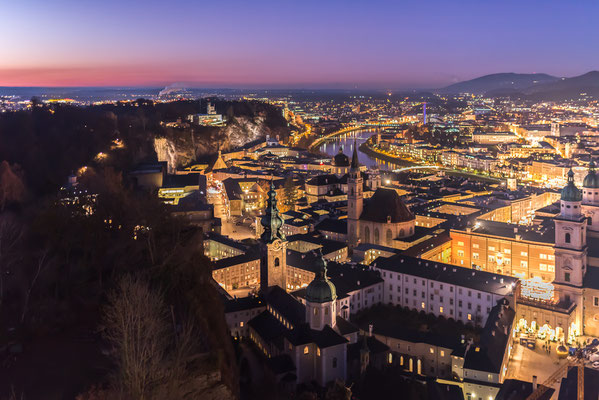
(273, 247)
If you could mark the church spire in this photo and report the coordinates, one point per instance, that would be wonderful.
(271, 220)
(354, 158)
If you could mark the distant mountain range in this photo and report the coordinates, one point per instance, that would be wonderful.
(529, 86)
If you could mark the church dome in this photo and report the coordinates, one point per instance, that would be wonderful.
(340, 159)
(386, 206)
(570, 192)
(321, 289)
(591, 181)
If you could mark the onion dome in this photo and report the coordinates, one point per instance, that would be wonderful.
(591, 181)
(340, 159)
(271, 220)
(321, 289)
(570, 192)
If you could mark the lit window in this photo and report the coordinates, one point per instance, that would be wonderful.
(241, 324)
(469, 318)
(318, 351)
(306, 348)
(423, 305)
(432, 350)
(442, 353)
(441, 310)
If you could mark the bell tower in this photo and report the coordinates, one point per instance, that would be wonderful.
(590, 199)
(355, 200)
(273, 251)
(570, 248)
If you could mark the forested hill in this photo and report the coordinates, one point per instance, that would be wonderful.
(72, 268)
(47, 143)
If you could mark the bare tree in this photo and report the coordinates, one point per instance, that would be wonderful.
(40, 265)
(137, 326)
(11, 233)
(12, 188)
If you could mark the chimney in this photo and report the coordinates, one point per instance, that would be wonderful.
(534, 383)
(370, 327)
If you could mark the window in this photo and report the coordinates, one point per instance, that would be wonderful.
(567, 276)
(507, 251)
(460, 243)
(451, 302)
(306, 350)
(475, 246)
(442, 353)
(491, 248)
(469, 317)
(524, 264)
(318, 351)
(568, 238)
(432, 350)
(460, 253)
(475, 256)
(441, 310)
(423, 305)
(543, 256)
(241, 323)
(334, 362)
(596, 301)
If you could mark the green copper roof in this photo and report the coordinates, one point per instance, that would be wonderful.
(570, 192)
(321, 289)
(271, 220)
(591, 181)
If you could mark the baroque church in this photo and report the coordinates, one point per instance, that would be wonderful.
(574, 308)
(310, 333)
(379, 220)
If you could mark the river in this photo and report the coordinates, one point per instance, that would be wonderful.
(331, 147)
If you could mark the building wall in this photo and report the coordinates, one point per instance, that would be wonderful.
(237, 321)
(434, 360)
(437, 298)
(507, 256)
(238, 276)
(591, 312)
(368, 232)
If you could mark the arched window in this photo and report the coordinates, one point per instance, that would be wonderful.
(568, 238)
(367, 235)
(411, 230)
(277, 262)
(389, 236)
(376, 235)
(401, 233)
(306, 350)
(326, 311)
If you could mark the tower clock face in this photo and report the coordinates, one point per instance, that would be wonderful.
(277, 244)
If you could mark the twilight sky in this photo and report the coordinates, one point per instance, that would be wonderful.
(284, 43)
